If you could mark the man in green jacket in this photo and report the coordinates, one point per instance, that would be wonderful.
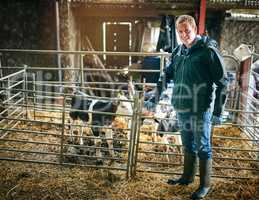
(199, 95)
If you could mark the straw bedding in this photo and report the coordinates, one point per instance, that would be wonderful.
(32, 181)
(36, 181)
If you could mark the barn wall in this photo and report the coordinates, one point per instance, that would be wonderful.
(19, 24)
(31, 24)
(26, 25)
(236, 32)
(213, 24)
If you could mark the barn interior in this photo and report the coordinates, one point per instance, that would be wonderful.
(51, 49)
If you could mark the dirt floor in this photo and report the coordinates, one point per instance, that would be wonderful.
(23, 181)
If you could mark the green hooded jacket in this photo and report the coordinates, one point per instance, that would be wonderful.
(194, 72)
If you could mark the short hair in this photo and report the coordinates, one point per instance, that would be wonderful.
(185, 18)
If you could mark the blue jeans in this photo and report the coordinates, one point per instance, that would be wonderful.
(196, 133)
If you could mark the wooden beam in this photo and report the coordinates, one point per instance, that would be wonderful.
(58, 44)
(125, 12)
(122, 12)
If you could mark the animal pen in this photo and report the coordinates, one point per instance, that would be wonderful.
(35, 122)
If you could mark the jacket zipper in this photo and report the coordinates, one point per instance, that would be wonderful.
(180, 92)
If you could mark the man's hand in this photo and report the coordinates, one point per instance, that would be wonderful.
(216, 120)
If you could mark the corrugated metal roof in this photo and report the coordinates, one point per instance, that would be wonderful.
(242, 16)
(228, 4)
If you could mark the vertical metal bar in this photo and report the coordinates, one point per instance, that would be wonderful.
(250, 78)
(58, 45)
(63, 130)
(139, 113)
(82, 71)
(131, 142)
(8, 92)
(162, 65)
(237, 93)
(1, 73)
(135, 136)
(237, 105)
(34, 96)
(25, 91)
(1, 70)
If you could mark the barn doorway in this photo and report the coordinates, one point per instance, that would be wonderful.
(117, 37)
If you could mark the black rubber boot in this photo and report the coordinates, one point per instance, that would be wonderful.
(205, 179)
(189, 171)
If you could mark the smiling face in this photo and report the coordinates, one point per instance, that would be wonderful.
(187, 33)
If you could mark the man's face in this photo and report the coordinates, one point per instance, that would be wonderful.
(187, 33)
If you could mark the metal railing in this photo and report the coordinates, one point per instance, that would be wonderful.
(10, 100)
(43, 136)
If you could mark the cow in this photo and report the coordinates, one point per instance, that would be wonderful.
(85, 109)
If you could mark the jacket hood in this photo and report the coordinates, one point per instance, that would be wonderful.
(202, 41)
(209, 42)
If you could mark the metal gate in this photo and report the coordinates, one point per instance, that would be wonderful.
(39, 131)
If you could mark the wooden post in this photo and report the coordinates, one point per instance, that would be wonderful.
(58, 47)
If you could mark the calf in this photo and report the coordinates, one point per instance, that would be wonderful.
(125, 108)
(164, 120)
(162, 142)
(171, 143)
(84, 109)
